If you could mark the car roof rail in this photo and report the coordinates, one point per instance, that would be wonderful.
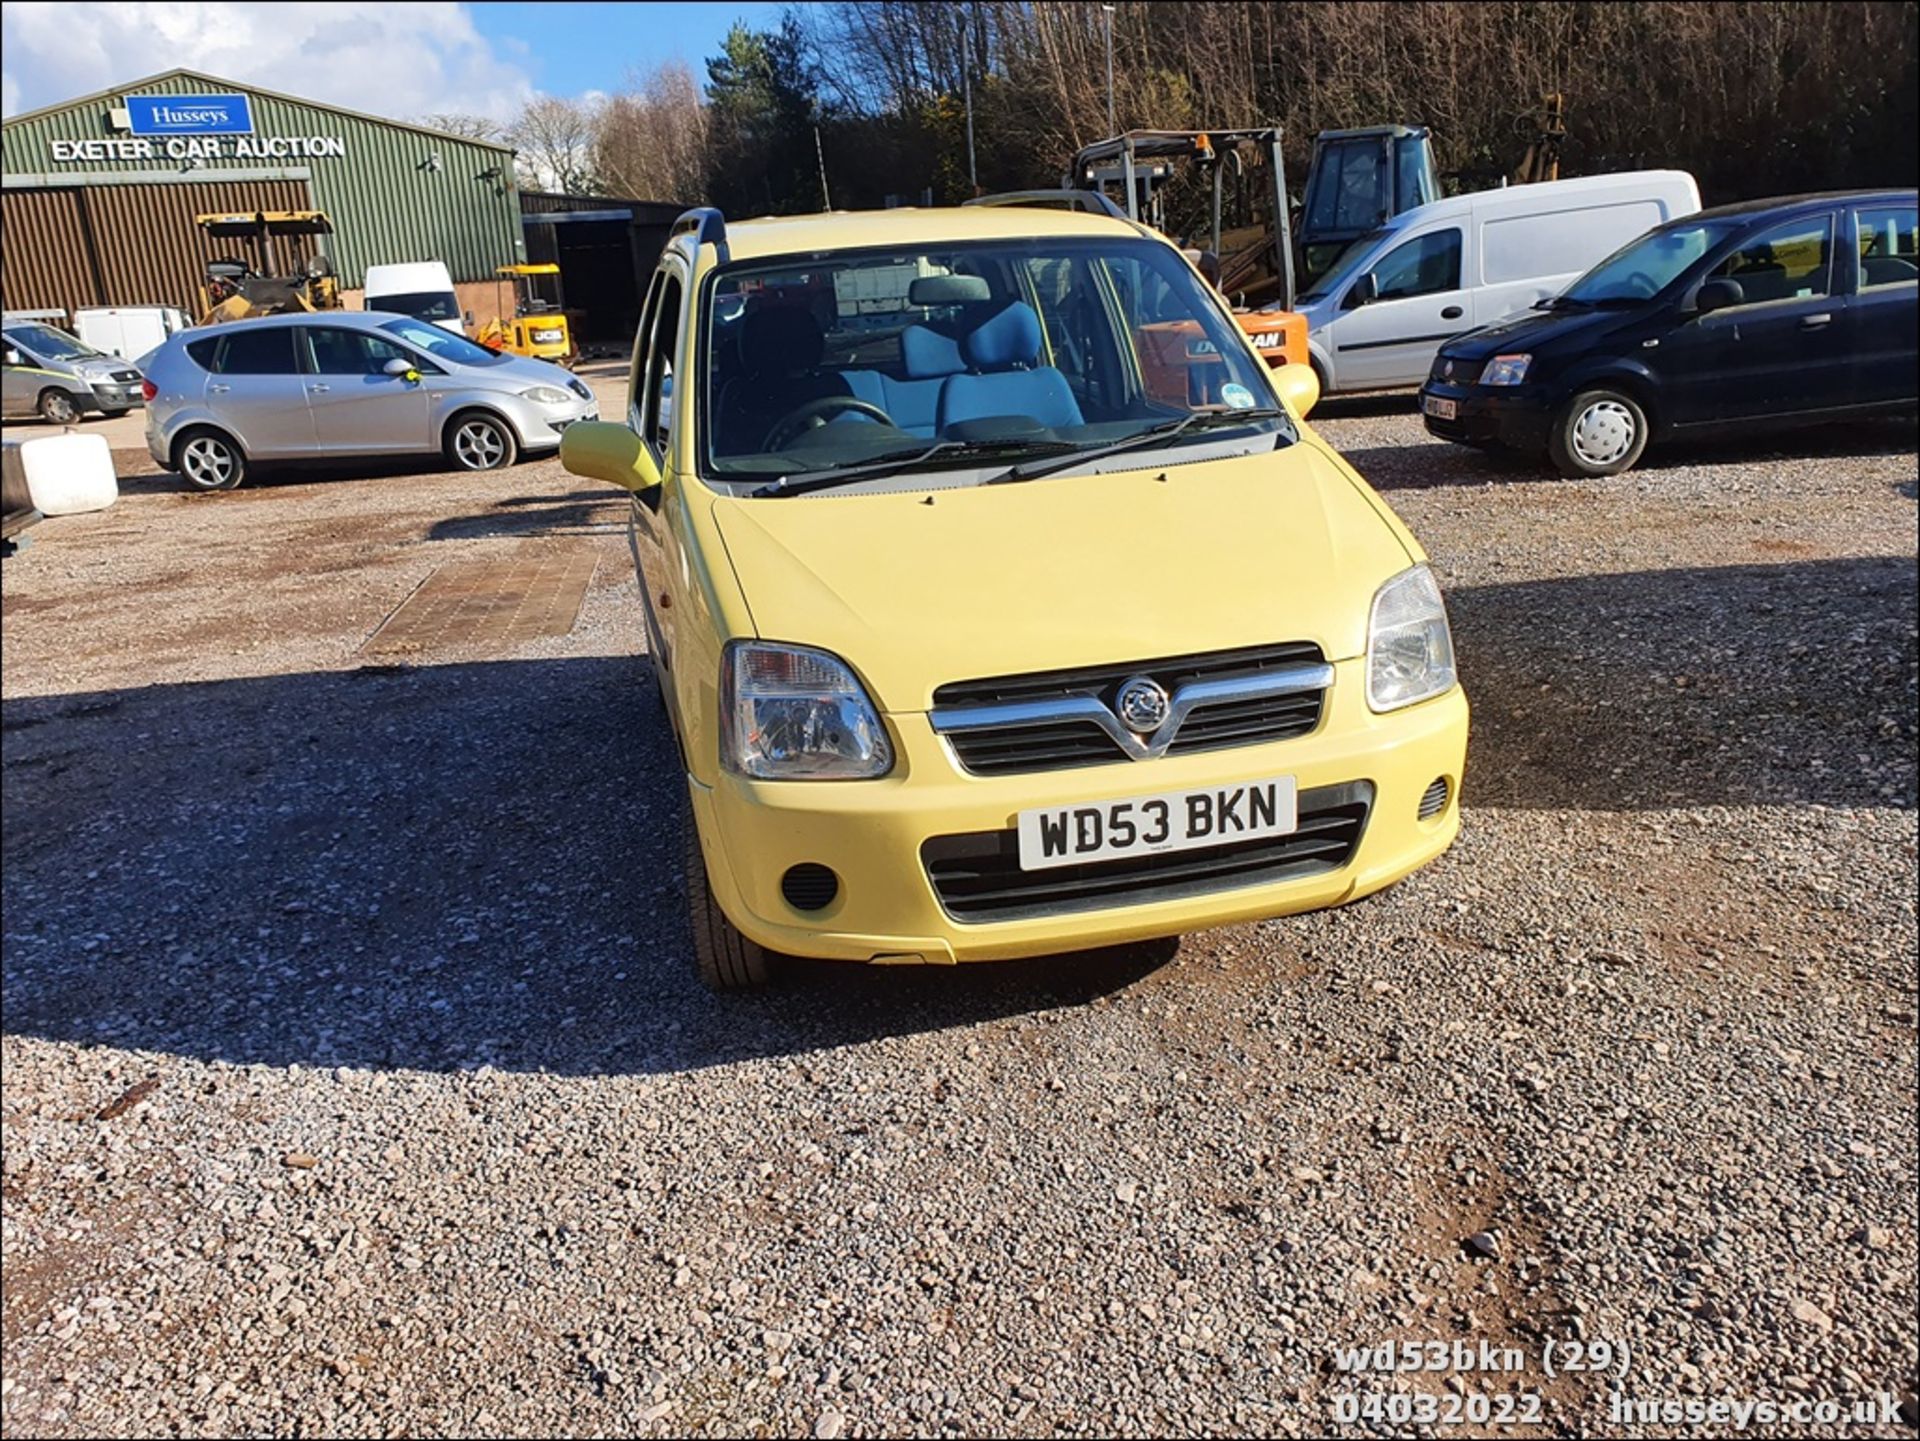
(1091, 201)
(707, 226)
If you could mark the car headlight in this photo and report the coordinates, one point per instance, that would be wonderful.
(1409, 647)
(788, 713)
(547, 395)
(1506, 370)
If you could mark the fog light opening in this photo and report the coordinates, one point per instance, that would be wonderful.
(1434, 800)
(809, 887)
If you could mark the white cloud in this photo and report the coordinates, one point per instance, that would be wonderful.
(399, 60)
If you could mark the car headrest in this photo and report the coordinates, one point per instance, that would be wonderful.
(947, 290)
(926, 354)
(1008, 339)
(780, 341)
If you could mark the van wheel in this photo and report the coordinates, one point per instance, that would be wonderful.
(208, 460)
(58, 407)
(476, 441)
(1598, 432)
(727, 960)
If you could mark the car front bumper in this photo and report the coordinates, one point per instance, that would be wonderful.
(871, 834)
(116, 395)
(1513, 416)
(539, 426)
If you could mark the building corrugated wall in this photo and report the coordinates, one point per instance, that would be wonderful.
(396, 193)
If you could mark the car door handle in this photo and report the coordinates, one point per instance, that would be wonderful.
(218, 389)
(1814, 322)
(318, 389)
(1452, 312)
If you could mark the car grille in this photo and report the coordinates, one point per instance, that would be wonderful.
(1072, 741)
(1451, 371)
(126, 375)
(977, 877)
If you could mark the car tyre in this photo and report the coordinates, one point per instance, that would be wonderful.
(726, 959)
(1598, 432)
(478, 441)
(58, 407)
(209, 461)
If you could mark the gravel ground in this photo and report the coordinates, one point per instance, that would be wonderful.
(357, 1082)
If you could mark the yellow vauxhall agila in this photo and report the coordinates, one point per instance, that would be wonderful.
(1003, 603)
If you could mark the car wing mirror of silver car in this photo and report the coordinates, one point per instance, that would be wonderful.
(403, 368)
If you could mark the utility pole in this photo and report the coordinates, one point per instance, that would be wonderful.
(1109, 10)
(819, 154)
(966, 85)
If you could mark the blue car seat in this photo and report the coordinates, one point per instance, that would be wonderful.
(1002, 378)
(928, 358)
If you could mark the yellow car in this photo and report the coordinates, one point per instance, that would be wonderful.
(978, 638)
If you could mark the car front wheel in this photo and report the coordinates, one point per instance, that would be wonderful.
(57, 406)
(1598, 432)
(481, 442)
(726, 959)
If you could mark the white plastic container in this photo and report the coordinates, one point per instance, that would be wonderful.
(69, 474)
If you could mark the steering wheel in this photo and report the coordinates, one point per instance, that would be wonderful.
(814, 412)
(1647, 285)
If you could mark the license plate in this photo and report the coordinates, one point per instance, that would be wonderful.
(1439, 407)
(1148, 825)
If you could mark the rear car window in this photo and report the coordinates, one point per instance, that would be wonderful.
(204, 351)
(265, 351)
(1887, 250)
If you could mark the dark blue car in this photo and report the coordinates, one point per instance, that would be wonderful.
(1768, 313)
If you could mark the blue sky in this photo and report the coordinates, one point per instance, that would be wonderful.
(570, 48)
(382, 56)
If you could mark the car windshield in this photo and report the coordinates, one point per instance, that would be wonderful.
(50, 344)
(442, 344)
(1643, 268)
(1344, 269)
(966, 355)
(421, 305)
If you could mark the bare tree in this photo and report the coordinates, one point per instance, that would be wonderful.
(469, 127)
(650, 141)
(555, 137)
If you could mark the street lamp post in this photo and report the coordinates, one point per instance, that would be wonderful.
(966, 84)
(1109, 10)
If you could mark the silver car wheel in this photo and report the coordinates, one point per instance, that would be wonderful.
(1603, 433)
(207, 462)
(478, 445)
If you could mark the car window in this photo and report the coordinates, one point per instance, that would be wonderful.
(642, 348)
(351, 352)
(51, 344)
(1074, 323)
(656, 420)
(1179, 363)
(442, 344)
(1425, 265)
(1791, 261)
(1887, 251)
(205, 352)
(258, 350)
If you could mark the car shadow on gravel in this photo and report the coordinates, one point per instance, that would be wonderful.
(594, 512)
(434, 868)
(1787, 684)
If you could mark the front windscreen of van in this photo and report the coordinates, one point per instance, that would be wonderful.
(1013, 348)
(1346, 267)
(50, 344)
(1643, 268)
(420, 304)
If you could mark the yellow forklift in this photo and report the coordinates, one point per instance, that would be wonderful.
(538, 326)
(275, 280)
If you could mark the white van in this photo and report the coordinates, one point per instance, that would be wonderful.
(420, 288)
(1376, 318)
(128, 331)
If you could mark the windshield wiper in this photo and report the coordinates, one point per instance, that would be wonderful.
(1140, 440)
(1561, 302)
(893, 462)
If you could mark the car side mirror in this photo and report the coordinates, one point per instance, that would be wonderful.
(1299, 387)
(13, 358)
(402, 368)
(1718, 295)
(1365, 290)
(602, 450)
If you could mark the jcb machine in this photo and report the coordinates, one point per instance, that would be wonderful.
(1257, 262)
(539, 325)
(275, 280)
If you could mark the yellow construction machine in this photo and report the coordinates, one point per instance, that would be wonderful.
(275, 279)
(531, 324)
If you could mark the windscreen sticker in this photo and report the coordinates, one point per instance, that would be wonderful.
(1238, 397)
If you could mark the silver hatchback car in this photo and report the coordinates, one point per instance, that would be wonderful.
(337, 384)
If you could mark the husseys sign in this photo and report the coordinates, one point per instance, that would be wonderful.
(196, 127)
